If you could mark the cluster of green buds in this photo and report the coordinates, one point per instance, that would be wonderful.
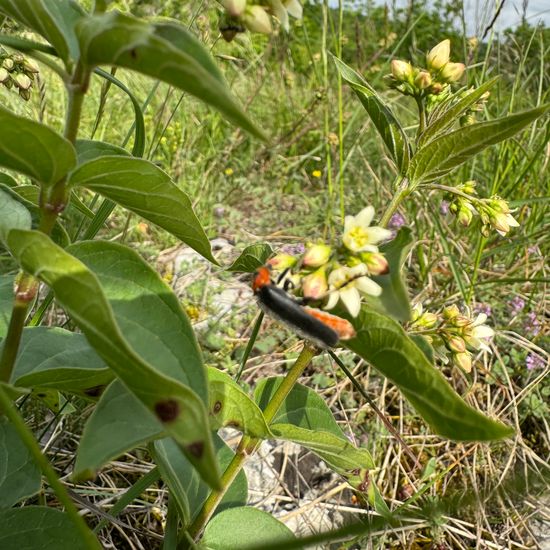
(18, 72)
(326, 274)
(493, 212)
(453, 333)
(432, 82)
(468, 118)
(256, 16)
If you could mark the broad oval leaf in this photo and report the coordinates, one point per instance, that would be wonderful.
(119, 423)
(383, 343)
(145, 189)
(165, 51)
(53, 19)
(77, 289)
(20, 477)
(243, 528)
(6, 179)
(394, 300)
(442, 154)
(34, 149)
(381, 115)
(51, 357)
(91, 149)
(251, 258)
(231, 406)
(186, 486)
(439, 121)
(32, 527)
(13, 215)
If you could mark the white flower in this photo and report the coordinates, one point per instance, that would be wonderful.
(294, 8)
(477, 334)
(347, 284)
(359, 237)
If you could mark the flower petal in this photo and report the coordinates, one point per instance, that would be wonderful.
(368, 286)
(365, 216)
(333, 299)
(377, 234)
(352, 300)
(483, 331)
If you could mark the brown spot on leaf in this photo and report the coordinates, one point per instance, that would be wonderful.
(233, 424)
(94, 391)
(196, 449)
(133, 53)
(217, 407)
(168, 410)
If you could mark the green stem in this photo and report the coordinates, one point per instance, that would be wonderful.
(421, 117)
(402, 191)
(248, 445)
(27, 437)
(24, 295)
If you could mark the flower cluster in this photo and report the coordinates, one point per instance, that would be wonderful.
(493, 212)
(453, 333)
(256, 16)
(328, 275)
(18, 72)
(431, 82)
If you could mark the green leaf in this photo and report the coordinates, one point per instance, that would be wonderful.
(383, 343)
(145, 189)
(19, 475)
(6, 302)
(231, 406)
(394, 300)
(449, 116)
(163, 50)
(444, 153)
(59, 359)
(305, 419)
(13, 215)
(132, 347)
(186, 486)
(89, 149)
(120, 422)
(33, 149)
(381, 115)
(27, 197)
(53, 19)
(243, 528)
(6, 179)
(251, 258)
(33, 527)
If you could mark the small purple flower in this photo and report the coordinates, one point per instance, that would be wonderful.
(444, 207)
(483, 308)
(533, 249)
(397, 221)
(294, 249)
(533, 324)
(516, 304)
(534, 361)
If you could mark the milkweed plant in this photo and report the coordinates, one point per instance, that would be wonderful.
(133, 353)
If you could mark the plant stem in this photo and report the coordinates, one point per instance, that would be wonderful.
(27, 437)
(402, 191)
(421, 117)
(248, 445)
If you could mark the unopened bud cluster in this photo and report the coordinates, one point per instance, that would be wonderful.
(494, 212)
(468, 118)
(18, 73)
(325, 273)
(453, 334)
(256, 16)
(431, 82)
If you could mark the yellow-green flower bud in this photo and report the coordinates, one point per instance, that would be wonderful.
(456, 344)
(436, 88)
(439, 55)
(4, 75)
(8, 64)
(461, 321)
(450, 312)
(315, 285)
(22, 81)
(423, 80)
(428, 320)
(452, 72)
(31, 66)
(256, 19)
(376, 263)
(468, 187)
(24, 94)
(317, 255)
(464, 216)
(463, 360)
(401, 70)
(282, 261)
(234, 8)
(467, 120)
